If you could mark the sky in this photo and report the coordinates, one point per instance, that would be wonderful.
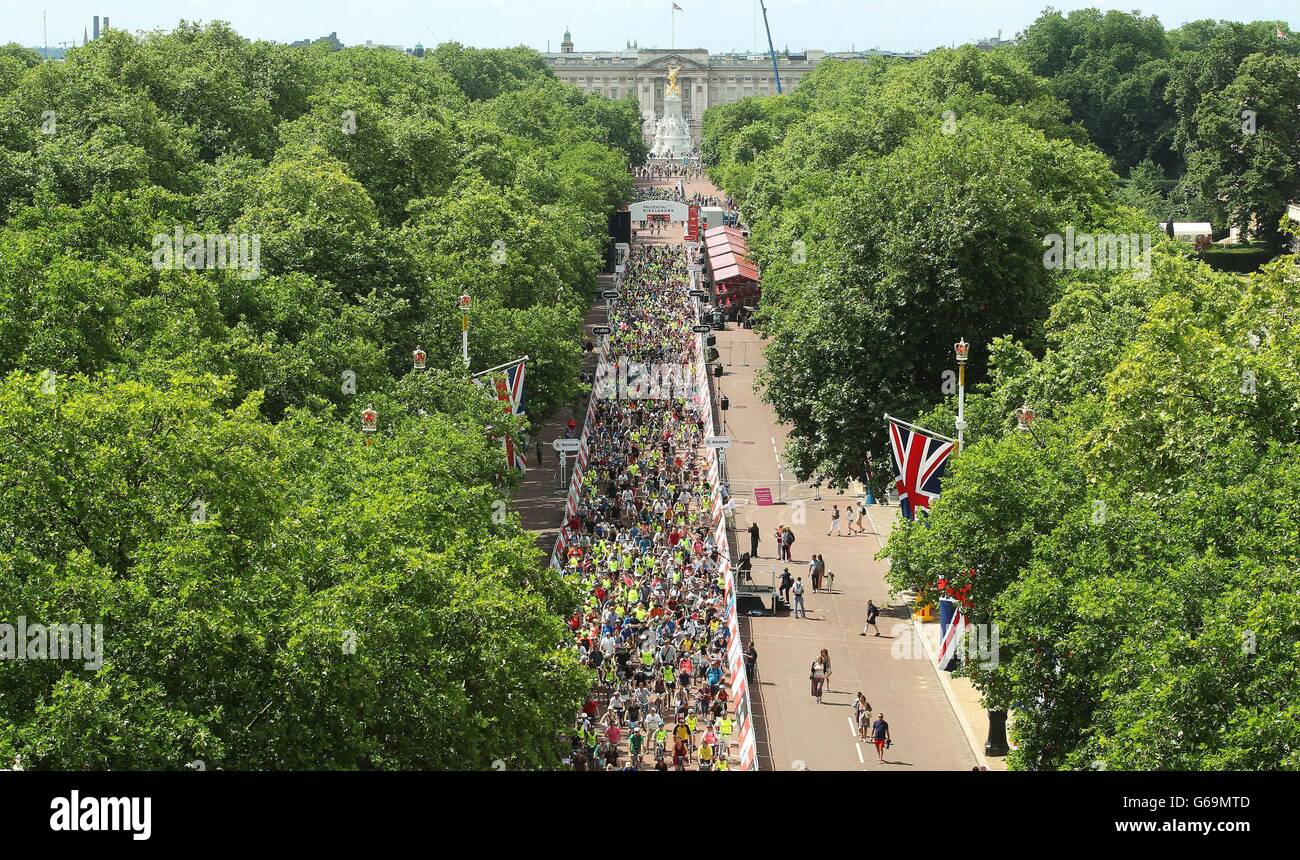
(718, 25)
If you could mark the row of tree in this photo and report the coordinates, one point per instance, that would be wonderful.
(1136, 549)
(182, 462)
(1203, 121)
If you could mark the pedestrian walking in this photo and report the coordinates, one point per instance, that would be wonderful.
(880, 737)
(815, 574)
(751, 661)
(828, 576)
(872, 613)
(753, 540)
(799, 610)
(826, 664)
(539, 451)
(779, 534)
(817, 675)
(788, 543)
(861, 715)
(835, 521)
(862, 516)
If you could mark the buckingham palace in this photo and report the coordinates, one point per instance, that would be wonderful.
(705, 79)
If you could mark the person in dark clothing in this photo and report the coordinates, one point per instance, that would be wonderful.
(753, 540)
(539, 452)
(872, 612)
(787, 583)
(751, 661)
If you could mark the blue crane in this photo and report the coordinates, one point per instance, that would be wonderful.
(771, 50)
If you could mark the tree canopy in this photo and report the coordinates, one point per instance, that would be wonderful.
(183, 463)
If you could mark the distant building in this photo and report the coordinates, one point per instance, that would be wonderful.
(706, 79)
(332, 39)
(996, 42)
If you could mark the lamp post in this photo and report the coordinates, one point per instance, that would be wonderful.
(464, 328)
(1025, 423)
(1025, 419)
(369, 423)
(962, 349)
(418, 359)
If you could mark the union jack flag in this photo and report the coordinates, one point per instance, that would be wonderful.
(952, 629)
(919, 461)
(508, 382)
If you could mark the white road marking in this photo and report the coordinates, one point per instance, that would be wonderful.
(852, 730)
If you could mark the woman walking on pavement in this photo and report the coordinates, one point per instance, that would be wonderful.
(826, 666)
(818, 677)
(861, 715)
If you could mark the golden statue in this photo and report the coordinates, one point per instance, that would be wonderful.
(673, 88)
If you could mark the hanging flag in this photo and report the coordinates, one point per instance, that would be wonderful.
(952, 630)
(507, 381)
(677, 8)
(919, 458)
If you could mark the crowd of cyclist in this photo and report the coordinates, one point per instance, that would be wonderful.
(652, 624)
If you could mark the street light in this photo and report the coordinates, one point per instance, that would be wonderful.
(369, 423)
(464, 328)
(962, 349)
(1025, 419)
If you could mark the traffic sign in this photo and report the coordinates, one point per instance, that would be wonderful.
(763, 496)
(568, 446)
(699, 294)
(602, 329)
(464, 301)
(720, 443)
(609, 294)
(701, 329)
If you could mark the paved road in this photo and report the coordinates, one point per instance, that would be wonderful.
(799, 733)
(925, 730)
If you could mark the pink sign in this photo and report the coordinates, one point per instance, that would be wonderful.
(763, 496)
